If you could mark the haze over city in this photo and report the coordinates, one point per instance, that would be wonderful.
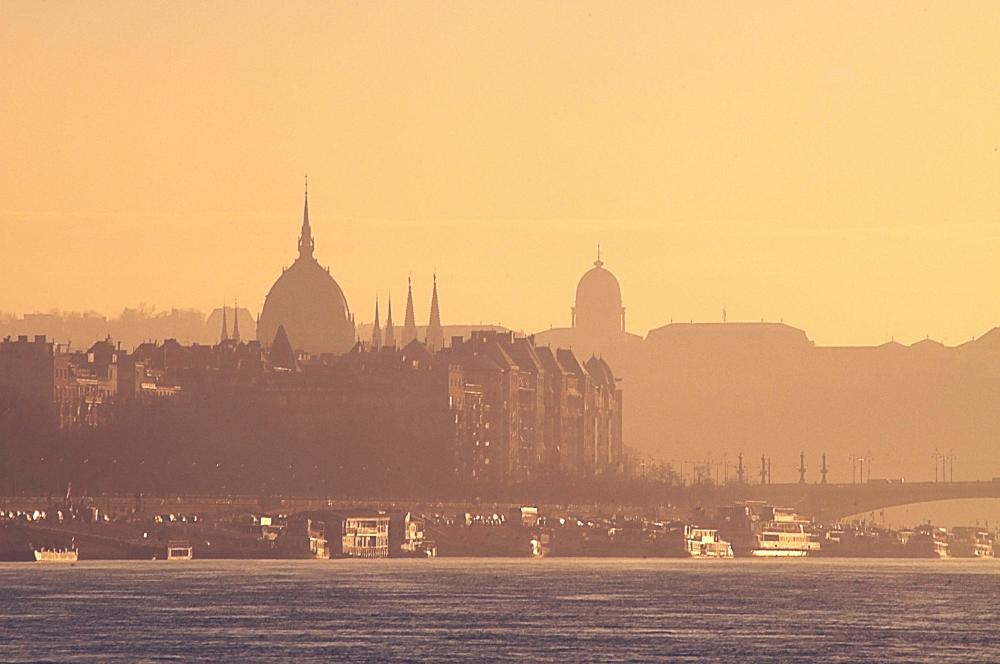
(439, 331)
(832, 167)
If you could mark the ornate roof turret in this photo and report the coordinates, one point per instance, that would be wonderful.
(376, 329)
(435, 333)
(410, 322)
(306, 242)
(236, 321)
(224, 335)
(390, 332)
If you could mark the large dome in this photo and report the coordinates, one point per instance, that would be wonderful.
(600, 288)
(598, 306)
(308, 303)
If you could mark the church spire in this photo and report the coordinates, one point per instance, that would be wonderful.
(236, 321)
(224, 336)
(376, 329)
(390, 332)
(410, 322)
(306, 242)
(598, 262)
(435, 333)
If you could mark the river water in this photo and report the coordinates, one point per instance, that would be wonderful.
(514, 610)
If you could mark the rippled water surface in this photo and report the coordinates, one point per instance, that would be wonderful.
(478, 609)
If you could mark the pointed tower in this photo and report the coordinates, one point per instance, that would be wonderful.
(236, 321)
(410, 322)
(281, 354)
(376, 329)
(390, 333)
(224, 335)
(435, 334)
(306, 242)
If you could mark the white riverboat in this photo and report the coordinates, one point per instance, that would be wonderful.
(971, 542)
(784, 535)
(705, 543)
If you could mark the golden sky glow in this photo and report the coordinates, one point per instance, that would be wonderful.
(834, 165)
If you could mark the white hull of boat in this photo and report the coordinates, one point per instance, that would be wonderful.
(779, 553)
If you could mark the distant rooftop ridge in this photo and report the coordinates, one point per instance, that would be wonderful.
(780, 333)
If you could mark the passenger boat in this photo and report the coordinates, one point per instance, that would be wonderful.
(971, 542)
(926, 541)
(784, 535)
(705, 543)
(55, 555)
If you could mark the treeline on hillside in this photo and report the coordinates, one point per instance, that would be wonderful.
(132, 327)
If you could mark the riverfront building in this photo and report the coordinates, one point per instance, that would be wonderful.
(494, 409)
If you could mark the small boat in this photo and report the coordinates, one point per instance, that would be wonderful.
(47, 554)
(179, 550)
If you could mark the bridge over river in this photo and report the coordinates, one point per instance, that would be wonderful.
(824, 502)
(830, 502)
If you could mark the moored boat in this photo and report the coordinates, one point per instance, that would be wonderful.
(705, 543)
(56, 555)
(971, 542)
(179, 550)
(784, 535)
(926, 541)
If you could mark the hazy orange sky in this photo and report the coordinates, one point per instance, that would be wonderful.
(834, 165)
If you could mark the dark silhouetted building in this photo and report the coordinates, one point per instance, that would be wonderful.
(524, 412)
(26, 367)
(308, 303)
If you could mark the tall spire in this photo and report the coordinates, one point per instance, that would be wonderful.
(598, 262)
(410, 322)
(390, 333)
(376, 329)
(306, 242)
(236, 321)
(224, 336)
(435, 333)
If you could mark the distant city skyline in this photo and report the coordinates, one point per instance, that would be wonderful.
(303, 296)
(852, 193)
(464, 307)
